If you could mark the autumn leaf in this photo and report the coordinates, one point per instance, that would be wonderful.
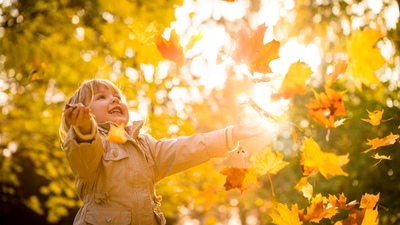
(284, 216)
(192, 41)
(294, 134)
(369, 201)
(363, 57)
(252, 51)
(305, 187)
(375, 117)
(339, 68)
(326, 106)
(294, 81)
(117, 134)
(268, 163)
(259, 110)
(370, 217)
(170, 49)
(318, 209)
(380, 157)
(208, 196)
(376, 143)
(239, 178)
(341, 202)
(38, 72)
(339, 122)
(142, 34)
(314, 160)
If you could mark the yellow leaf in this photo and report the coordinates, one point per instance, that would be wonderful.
(208, 195)
(305, 187)
(318, 210)
(369, 201)
(314, 160)
(192, 41)
(284, 216)
(370, 217)
(375, 117)
(142, 34)
(380, 157)
(117, 134)
(267, 161)
(363, 57)
(294, 134)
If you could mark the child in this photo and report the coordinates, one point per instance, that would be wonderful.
(116, 181)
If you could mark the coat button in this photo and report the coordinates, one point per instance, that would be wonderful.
(115, 153)
(108, 219)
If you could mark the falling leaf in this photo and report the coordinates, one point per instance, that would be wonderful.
(339, 68)
(326, 106)
(117, 134)
(294, 134)
(305, 187)
(294, 81)
(208, 195)
(142, 34)
(38, 72)
(380, 157)
(284, 216)
(192, 41)
(314, 160)
(170, 49)
(268, 163)
(369, 201)
(370, 217)
(375, 118)
(363, 57)
(318, 210)
(239, 178)
(341, 202)
(252, 51)
(376, 143)
(339, 122)
(259, 110)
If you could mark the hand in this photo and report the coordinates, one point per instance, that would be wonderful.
(241, 132)
(79, 116)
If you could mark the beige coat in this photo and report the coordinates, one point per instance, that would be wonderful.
(117, 181)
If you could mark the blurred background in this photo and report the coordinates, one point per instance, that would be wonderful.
(49, 47)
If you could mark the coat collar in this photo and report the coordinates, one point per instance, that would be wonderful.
(132, 130)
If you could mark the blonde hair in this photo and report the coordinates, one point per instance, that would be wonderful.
(84, 95)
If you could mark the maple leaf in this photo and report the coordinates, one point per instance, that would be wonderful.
(370, 217)
(143, 35)
(192, 41)
(117, 134)
(284, 216)
(326, 106)
(239, 178)
(376, 143)
(268, 163)
(253, 52)
(170, 49)
(294, 81)
(375, 117)
(208, 195)
(339, 68)
(369, 201)
(340, 203)
(318, 210)
(305, 187)
(380, 157)
(363, 57)
(314, 160)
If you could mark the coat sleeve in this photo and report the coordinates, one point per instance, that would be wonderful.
(83, 157)
(175, 155)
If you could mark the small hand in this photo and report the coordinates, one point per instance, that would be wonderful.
(241, 132)
(79, 116)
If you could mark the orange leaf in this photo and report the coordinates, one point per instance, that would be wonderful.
(314, 160)
(326, 106)
(294, 81)
(253, 52)
(192, 41)
(318, 210)
(340, 67)
(284, 216)
(376, 143)
(369, 201)
(294, 134)
(340, 203)
(208, 195)
(170, 49)
(239, 178)
(363, 57)
(117, 134)
(375, 117)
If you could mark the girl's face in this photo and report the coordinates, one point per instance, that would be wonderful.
(107, 105)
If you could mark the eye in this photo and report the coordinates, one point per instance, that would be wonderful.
(100, 97)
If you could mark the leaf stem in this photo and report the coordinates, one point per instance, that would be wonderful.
(272, 186)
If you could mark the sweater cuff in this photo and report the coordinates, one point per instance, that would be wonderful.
(229, 139)
(86, 137)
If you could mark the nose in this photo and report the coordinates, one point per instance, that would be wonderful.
(115, 100)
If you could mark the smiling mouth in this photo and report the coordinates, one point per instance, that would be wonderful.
(115, 111)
